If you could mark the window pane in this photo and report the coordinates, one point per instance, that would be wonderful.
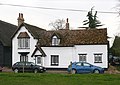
(86, 64)
(23, 43)
(38, 60)
(54, 60)
(55, 41)
(98, 58)
(21, 58)
(79, 64)
(82, 57)
(24, 58)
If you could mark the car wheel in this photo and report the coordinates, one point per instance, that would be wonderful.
(16, 70)
(35, 70)
(96, 71)
(73, 71)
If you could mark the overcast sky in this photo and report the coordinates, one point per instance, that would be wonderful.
(42, 17)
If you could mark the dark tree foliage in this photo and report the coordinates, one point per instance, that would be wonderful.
(115, 49)
(92, 21)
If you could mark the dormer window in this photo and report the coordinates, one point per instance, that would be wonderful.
(23, 41)
(55, 41)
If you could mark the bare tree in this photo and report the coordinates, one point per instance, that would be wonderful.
(58, 24)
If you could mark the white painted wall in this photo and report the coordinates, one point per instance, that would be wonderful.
(66, 54)
(90, 50)
(15, 50)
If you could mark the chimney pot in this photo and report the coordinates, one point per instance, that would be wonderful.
(67, 24)
(20, 19)
(67, 20)
(21, 15)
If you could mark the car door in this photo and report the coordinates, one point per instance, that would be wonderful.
(28, 67)
(86, 67)
(79, 67)
(21, 66)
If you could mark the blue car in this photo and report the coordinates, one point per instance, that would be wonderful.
(84, 67)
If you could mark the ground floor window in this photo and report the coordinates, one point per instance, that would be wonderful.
(38, 60)
(54, 60)
(98, 58)
(82, 57)
(23, 58)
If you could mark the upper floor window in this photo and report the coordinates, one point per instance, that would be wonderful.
(55, 41)
(98, 58)
(23, 41)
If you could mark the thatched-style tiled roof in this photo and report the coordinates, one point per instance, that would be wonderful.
(23, 35)
(34, 30)
(6, 31)
(76, 37)
(68, 37)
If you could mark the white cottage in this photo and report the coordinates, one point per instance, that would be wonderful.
(57, 48)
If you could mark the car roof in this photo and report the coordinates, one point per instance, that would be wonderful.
(80, 62)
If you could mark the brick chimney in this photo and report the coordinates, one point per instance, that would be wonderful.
(67, 24)
(20, 19)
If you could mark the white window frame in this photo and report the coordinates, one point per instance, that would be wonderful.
(55, 41)
(23, 43)
(98, 58)
(38, 60)
(54, 60)
(82, 57)
(23, 58)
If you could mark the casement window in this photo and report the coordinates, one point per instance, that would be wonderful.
(82, 57)
(38, 60)
(24, 43)
(97, 58)
(23, 40)
(54, 60)
(23, 58)
(55, 41)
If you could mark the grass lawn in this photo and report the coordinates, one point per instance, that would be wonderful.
(58, 79)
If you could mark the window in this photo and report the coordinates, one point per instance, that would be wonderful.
(23, 58)
(86, 64)
(98, 58)
(24, 43)
(21, 63)
(79, 64)
(38, 60)
(55, 41)
(54, 60)
(23, 40)
(82, 57)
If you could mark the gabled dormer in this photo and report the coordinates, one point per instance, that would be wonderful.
(23, 41)
(55, 40)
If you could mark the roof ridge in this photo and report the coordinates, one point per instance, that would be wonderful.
(34, 26)
(7, 23)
